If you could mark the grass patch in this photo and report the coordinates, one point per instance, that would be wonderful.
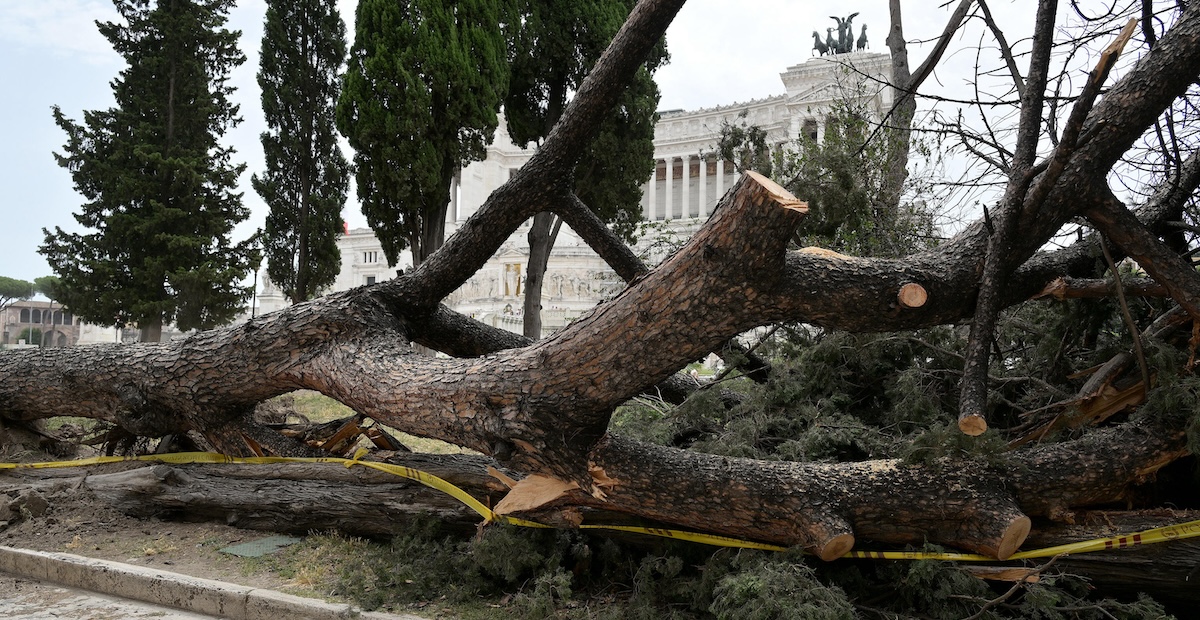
(56, 423)
(318, 408)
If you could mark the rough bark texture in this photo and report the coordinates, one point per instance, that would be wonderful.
(542, 408)
(1168, 570)
(297, 498)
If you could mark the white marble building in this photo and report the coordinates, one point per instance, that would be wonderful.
(687, 183)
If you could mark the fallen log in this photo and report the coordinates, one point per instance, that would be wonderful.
(823, 507)
(302, 498)
(1170, 572)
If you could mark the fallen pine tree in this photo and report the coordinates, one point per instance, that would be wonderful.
(544, 410)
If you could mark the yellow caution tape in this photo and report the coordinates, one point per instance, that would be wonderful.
(1180, 531)
(697, 537)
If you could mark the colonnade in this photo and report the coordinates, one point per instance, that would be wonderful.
(685, 186)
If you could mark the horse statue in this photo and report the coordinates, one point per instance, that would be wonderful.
(862, 39)
(818, 46)
(829, 42)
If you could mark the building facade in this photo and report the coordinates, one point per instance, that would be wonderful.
(687, 184)
(39, 324)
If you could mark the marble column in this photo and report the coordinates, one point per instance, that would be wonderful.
(651, 187)
(685, 202)
(452, 208)
(702, 207)
(670, 175)
(720, 177)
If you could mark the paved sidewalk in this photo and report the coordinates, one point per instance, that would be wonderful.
(201, 598)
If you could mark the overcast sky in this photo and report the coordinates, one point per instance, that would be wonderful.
(722, 51)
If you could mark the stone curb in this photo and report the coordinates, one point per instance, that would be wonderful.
(160, 587)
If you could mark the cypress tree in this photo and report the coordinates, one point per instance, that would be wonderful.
(555, 47)
(159, 187)
(423, 87)
(306, 178)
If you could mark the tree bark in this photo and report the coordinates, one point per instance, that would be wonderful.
(542, 234)
(520, 404)
(823, 507)
(299, 498)
(543, 408)
(1166, 571)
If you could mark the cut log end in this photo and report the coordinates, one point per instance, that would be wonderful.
(831, 536)
(912, 295)
(834, 548)
(1012, 538)
(813, 250)
(778, 193)
(972, 424)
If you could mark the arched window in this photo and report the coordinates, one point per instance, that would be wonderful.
(58, 318)
(35, 316)
(68, 319)
(25, 315)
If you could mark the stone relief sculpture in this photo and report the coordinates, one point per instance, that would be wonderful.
(582, 287)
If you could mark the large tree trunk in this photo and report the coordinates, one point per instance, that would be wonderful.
(542, 233)
(151, 331)
(543, 409)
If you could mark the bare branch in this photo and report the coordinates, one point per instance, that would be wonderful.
(1134, 332)
(973, 398)
(1005, 48)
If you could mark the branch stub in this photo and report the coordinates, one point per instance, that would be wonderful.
(972, 424)
(912, 295)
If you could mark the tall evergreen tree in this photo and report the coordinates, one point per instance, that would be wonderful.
(159, 187)
(557, 44)
(423, 88)
(305, 183)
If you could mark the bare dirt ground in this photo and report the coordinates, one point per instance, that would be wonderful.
(74, 522)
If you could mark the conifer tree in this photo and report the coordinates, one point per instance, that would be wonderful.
(158, 184)
(423, 87)
(306, 179)
(555, 47)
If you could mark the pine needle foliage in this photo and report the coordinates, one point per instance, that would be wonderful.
(306, 177)
(552, 51)
(842, 177)
(159, 185)
(423, 88)
(534, 574)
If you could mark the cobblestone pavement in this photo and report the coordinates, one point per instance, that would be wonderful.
(23, 599)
